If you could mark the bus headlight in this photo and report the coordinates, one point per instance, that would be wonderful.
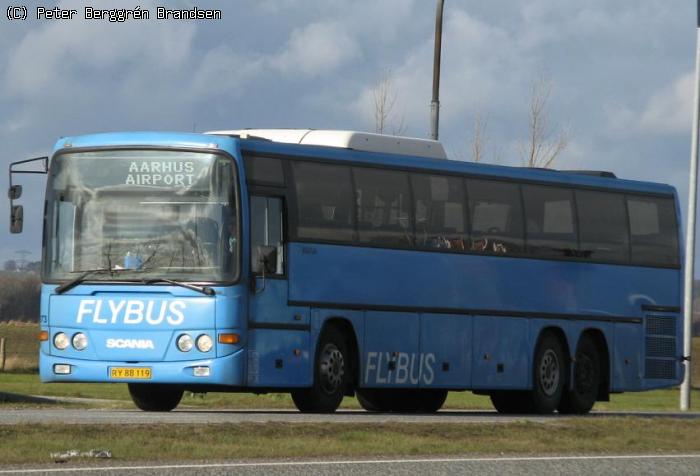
(185, 343)
(61, 341)
(80, 341)
(204, 343)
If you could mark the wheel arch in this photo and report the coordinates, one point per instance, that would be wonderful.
(345, 327)
(598, 338)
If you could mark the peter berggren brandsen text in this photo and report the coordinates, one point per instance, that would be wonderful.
(121, 15)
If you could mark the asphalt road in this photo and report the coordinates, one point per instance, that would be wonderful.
(133, 417)
(570, 465)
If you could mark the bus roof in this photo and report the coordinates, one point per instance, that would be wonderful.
(594, 179)
(364, 141)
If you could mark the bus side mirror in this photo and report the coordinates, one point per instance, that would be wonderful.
(16, 219)
(15, 192)
(266, 262)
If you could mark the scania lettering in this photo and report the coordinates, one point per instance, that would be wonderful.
(129, 344)
(334, 263)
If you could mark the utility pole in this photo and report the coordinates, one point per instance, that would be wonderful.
(690, 233)
(435, 103)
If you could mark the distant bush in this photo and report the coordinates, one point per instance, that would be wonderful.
(19, 297)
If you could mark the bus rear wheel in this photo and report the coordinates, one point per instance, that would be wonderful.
(512, 402)
(400, 400)
(330, 376)
(151, 397)
(586, 380)
(371, 400)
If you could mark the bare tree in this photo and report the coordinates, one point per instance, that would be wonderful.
(479, 138)
(384, 101)
(542, 146)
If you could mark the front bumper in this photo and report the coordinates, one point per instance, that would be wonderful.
(226, 370)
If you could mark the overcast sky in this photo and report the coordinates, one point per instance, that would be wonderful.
(621, 76)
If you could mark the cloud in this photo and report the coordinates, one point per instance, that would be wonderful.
(670, 110)
(317, 49)
(82, 56)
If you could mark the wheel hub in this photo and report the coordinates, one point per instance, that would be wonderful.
(332, 369)
(549, 373)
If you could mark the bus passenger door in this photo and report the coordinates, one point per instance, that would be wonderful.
(278, 334)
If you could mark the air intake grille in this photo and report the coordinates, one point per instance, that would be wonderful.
(661, 326)
(660, 347)
(656, 368)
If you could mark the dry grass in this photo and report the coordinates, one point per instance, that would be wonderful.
(32, 444)
(21, 345)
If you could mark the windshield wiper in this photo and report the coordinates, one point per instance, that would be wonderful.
(86, 274)
(200, 289)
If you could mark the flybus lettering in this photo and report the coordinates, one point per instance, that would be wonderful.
(409, 367)
(131, 312)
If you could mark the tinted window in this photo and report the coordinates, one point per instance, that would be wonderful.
(324, 202)
(602, 226)
(264, 170)
(439, 212)
(495, 209)
(266, 230)
(653, 231)
(384, 207)
(549, 218)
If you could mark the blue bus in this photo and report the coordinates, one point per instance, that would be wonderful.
(327, 264)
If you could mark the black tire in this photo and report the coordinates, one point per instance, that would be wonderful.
(405, 400)
(331, 375)
(431, 400)
(586, 380)
(370, 399)
(512, 402)
(550, 374)
(151, 397)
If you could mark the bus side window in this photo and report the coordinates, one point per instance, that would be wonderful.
(653, 231)
(495, 210)
(266, 223)
(439, 208)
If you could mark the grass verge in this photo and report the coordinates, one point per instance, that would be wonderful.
(29, 384)
(32, 444)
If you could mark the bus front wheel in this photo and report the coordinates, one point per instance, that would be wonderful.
(550, 374)
(151, 397)
(330, 376)
(586, 380)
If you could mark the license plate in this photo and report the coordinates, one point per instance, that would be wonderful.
(142, 373)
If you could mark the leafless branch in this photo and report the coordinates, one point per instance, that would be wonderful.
(542, 147)
(384, 101)
(479, 138)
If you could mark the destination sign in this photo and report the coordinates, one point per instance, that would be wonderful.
(181, 171)
(171, 173)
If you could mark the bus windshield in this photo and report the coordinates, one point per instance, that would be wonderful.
(147, 213)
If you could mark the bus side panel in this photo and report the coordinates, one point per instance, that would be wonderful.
(501, 353)
(449, 339)
(270, 306)
(392, 356)
(627, 357)
(279, 358)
